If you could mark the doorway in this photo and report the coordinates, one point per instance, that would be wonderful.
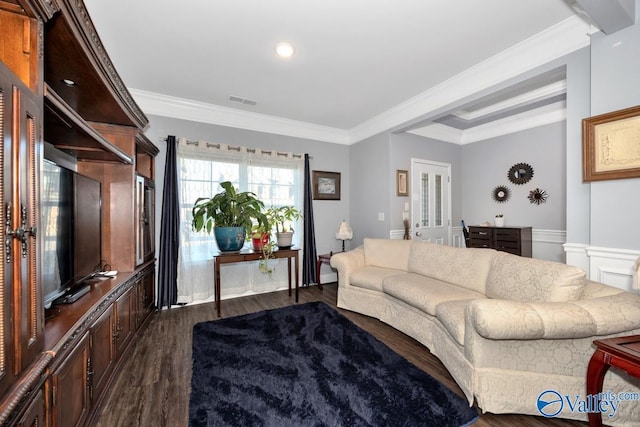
(431, 201)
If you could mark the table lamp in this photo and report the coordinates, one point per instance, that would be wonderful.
(344, 233)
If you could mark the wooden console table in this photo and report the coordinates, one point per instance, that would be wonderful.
(621, 352)
(246, 255)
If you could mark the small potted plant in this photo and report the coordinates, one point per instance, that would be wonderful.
(499, 220)
(229, 214)
(261, 233)
(283, 218)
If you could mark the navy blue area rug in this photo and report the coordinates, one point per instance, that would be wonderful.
(308, 365)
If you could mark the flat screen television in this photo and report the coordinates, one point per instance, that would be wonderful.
(70, 230)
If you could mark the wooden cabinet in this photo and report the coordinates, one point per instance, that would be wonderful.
(515, 240)
(125, 307)
(21, 311)
(58, 84)
(35, 415)
(146, 296)
(70, 385)
(103, 355)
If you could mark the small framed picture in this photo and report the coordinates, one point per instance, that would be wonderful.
(611, 145)
(326, 185)
(402, 182)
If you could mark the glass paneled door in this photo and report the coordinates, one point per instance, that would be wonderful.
(431, 201)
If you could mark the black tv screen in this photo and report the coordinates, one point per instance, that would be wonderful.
(71, 236)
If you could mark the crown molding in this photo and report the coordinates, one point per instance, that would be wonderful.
(186, 109)
(555, 42)
(548, 114)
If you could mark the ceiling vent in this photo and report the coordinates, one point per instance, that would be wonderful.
(242, 100)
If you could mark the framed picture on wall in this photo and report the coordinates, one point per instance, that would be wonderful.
(611, 145)
(326, 185)
(402, 182)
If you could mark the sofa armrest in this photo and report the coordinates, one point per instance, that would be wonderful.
(505, 319)
(346, 263)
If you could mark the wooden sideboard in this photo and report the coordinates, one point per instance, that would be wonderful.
(58, 85)
(515, 240)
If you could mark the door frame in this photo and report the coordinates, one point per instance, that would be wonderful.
(414, 161)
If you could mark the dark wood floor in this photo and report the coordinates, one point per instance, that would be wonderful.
(153, 386)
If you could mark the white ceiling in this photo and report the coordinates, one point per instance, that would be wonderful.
(360, 67)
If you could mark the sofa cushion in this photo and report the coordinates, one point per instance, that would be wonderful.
(533, 280)
(387, 253)
(372, 277)
(425, 293)
(451, 316)
(466, 267)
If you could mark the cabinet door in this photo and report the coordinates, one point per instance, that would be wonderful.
(102, 351)
(146, 287)
(70, 383)
(35, 413)
(125, 319)
(25, 217)
(21, 317)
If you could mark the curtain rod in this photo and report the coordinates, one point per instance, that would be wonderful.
(238, 149)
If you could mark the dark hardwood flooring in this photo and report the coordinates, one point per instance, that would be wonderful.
(153, 386)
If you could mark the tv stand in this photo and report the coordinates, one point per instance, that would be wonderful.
(73, 296)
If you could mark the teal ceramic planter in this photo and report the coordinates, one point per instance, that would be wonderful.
(230, 239)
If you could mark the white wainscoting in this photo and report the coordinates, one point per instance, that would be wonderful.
(546, 244)
(612, 266)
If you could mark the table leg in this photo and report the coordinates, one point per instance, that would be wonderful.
(318, 265)
(295, 256)
(289, 273)
(598, 366)
(216, 286)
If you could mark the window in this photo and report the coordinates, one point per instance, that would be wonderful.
(277, 180)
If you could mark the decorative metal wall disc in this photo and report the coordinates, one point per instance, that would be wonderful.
(520, 173)
(538, 196)
(501, 194)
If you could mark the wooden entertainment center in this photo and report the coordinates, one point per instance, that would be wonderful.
(59, 87)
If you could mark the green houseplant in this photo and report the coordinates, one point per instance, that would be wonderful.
(283, 218)
(229, 214)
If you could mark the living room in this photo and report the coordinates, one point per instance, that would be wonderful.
(588, 60)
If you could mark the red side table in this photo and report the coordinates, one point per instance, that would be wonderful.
(621, 352)
(322, 259)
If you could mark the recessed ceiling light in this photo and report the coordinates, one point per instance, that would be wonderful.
(69, 82)
(285, 50)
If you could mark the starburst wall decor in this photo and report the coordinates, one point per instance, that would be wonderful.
(538, 196)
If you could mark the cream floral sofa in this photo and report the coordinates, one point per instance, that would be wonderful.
(507, 328)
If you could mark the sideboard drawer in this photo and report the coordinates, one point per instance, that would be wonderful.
(515, 240)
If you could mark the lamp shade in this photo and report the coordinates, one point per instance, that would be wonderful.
(344, 231)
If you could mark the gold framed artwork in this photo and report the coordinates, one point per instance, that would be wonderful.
(326, 185)
(402, 182)
(611, 145)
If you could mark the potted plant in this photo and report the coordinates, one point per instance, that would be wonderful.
(283, 218)
(229, 214)
(261, 233)
(499, 220)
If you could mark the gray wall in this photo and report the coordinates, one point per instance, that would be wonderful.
(485, 166)
(325, 157)
(370, 189)
(615, 85)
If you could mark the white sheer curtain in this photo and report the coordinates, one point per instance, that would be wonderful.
(275, 177)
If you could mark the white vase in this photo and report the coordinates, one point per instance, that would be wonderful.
(499, 221)
(284, 239)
